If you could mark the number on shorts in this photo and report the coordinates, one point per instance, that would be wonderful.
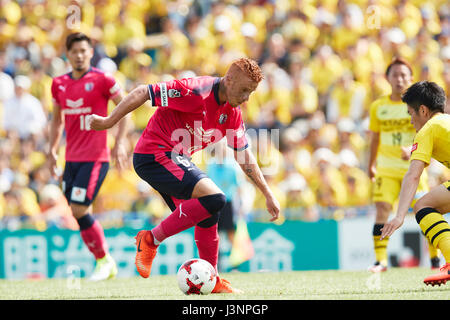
(183, 161)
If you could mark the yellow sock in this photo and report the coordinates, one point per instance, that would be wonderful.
(444, 246)
(436, 229)
(380, 246)
(432, 250)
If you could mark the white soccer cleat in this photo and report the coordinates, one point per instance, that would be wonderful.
(377, 268)
(105, 269)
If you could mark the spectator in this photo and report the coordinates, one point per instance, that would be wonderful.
(6, 82)
(23, 113)
(306, 50)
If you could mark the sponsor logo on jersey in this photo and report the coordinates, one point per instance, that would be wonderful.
(74, 103)
(77, 111)
(396, 122)
(203, 135)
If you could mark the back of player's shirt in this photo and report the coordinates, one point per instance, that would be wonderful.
(433, 141)
(189, 118)
(77, 99)
(392, 121)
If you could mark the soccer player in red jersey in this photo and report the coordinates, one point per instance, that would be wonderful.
(77, 95)
(192, 114)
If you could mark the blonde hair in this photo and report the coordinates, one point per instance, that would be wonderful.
(250, 67)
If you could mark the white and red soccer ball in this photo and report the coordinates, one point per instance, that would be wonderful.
(196, 276)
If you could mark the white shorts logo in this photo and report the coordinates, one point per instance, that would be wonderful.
(78, 194)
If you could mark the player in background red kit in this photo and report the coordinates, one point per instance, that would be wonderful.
(77, 95)
(192, 114)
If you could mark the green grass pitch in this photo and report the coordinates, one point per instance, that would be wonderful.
(395, 284)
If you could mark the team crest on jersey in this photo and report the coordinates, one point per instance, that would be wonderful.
(223, 117)
(89, 86)
(173, 93)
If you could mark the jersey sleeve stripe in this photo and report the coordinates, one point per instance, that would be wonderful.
(215, 89)
(115, 89)
(151, 94)
(164, 94)
(239, 149)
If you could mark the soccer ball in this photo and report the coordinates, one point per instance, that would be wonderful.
(196, 276)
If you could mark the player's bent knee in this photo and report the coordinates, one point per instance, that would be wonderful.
(417, 207)
(420, 204)
(213, 203)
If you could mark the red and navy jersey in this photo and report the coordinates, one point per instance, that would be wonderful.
(77, 99)
(190, 117)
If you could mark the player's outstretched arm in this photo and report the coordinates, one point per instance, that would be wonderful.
(132, 101)
(119, 152)
(250, 167)
(407, 192)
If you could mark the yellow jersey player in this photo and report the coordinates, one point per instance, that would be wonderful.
(391, 139)
(426, 103)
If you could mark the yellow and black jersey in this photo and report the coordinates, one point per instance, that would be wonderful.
(391, 120)
(433, 141)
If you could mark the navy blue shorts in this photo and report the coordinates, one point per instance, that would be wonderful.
(82, 181)
(173, 176)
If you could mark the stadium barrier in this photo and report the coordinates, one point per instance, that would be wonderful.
(58, 253)
(291, 246)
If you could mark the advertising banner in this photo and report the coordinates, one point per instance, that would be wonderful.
(57, 253)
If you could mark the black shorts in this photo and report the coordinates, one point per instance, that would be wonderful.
(173, 176)
(82, 181)
(226, 217)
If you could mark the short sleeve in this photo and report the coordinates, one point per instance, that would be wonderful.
(176, 94)
(235, 134)
(423, 145)
(374, 124)
(111, 86)
(54, 89)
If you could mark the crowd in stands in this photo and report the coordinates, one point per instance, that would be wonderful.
(323, 62)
